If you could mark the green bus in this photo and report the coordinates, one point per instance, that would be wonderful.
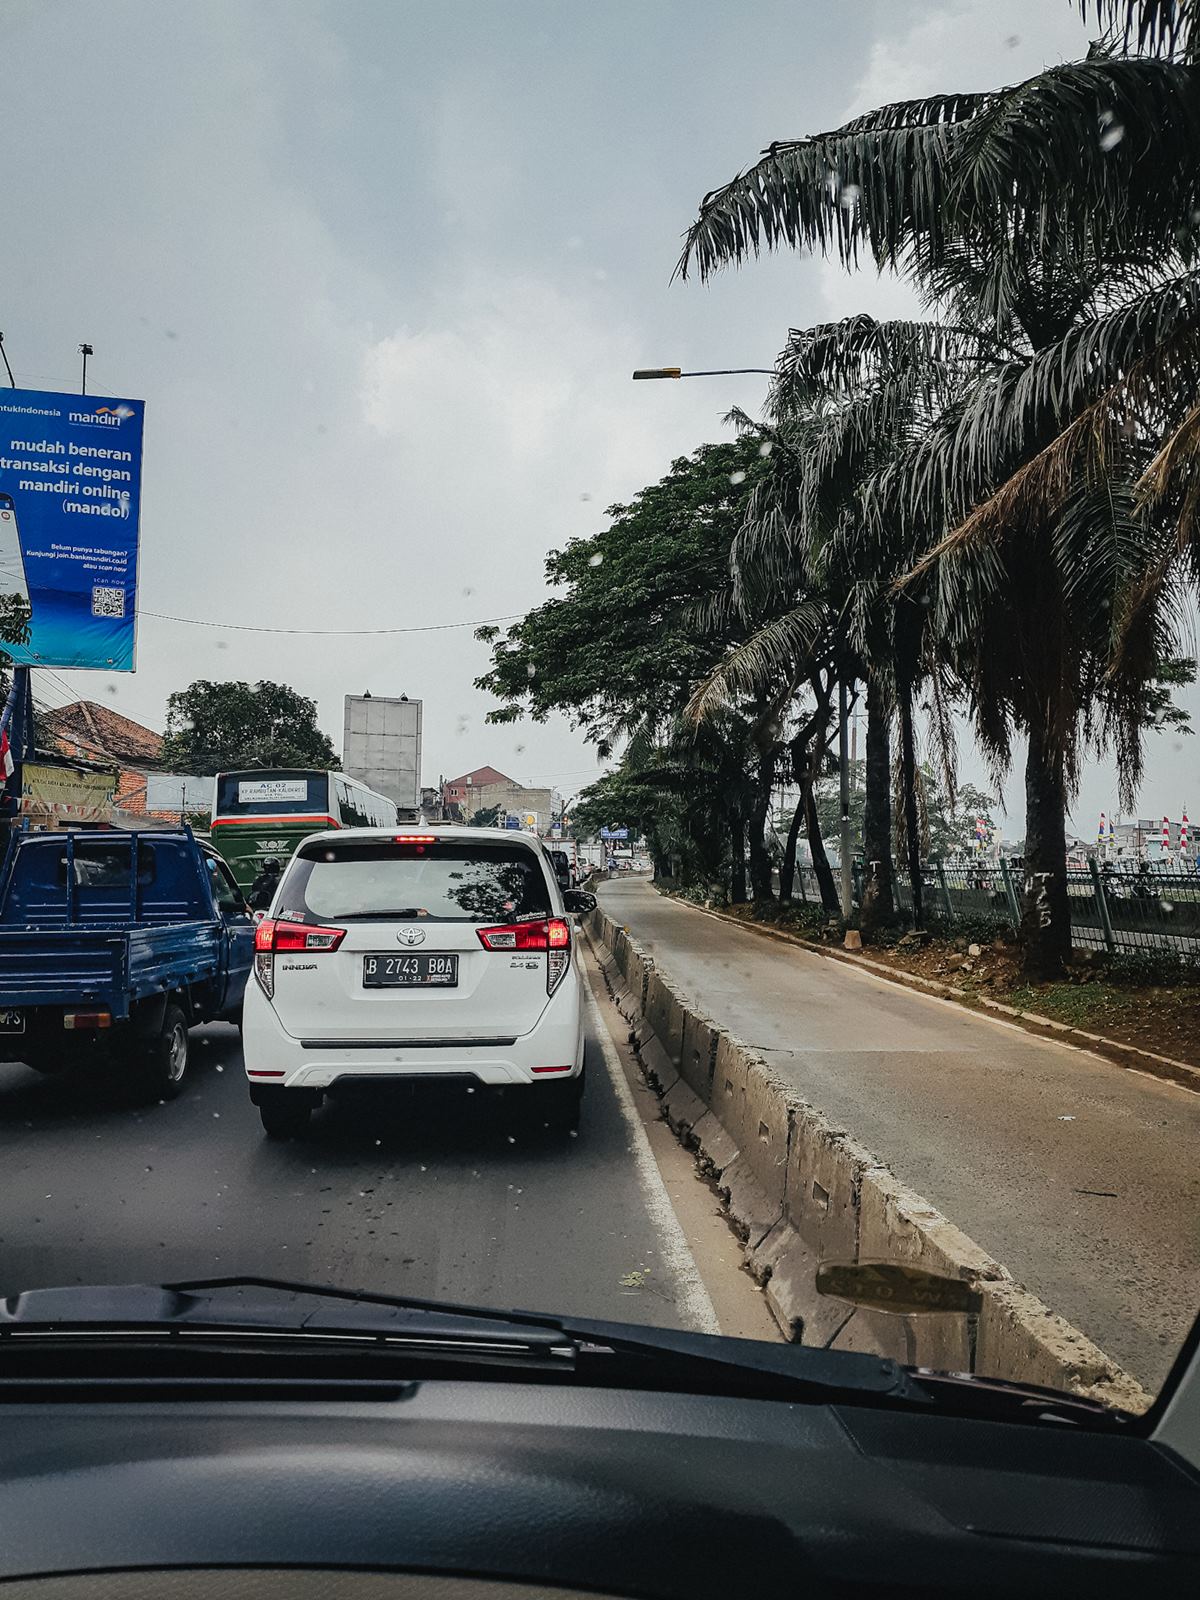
(261, 813)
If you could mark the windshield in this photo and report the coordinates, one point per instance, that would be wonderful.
(659, 544)
(448, 882)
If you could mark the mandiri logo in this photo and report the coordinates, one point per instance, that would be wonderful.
(102, 417)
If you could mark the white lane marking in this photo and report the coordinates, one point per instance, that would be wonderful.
(691, 1296)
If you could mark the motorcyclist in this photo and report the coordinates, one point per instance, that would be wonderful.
(262, 890)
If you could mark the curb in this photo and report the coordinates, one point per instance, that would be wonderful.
(799, 1190)
(1129, 1056)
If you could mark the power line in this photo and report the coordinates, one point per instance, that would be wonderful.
(247, 627)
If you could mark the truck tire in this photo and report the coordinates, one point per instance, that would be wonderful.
(285, 1114)
(165, 1057)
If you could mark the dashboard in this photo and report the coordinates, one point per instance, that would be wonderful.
(464, 1488)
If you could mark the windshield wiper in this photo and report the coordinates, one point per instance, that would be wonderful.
(281, 1317)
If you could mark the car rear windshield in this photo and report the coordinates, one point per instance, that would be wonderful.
(445, 881)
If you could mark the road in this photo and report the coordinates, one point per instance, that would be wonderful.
(446, 1201)
(1081, 1177)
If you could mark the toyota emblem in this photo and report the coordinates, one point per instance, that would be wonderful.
(411, 935)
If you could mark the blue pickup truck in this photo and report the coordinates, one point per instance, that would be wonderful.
(113, 945)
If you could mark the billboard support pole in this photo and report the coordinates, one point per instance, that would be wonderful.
(85, 350)
(12, 382)
(17, 722)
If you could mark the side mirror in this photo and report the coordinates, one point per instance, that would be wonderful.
(258, 916)
(578, 901)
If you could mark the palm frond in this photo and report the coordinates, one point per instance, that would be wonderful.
(902, 182)
(760, 663)
(1159, 27)
(837, 359)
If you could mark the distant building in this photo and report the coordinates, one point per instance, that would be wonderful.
(454, 790)
(95, 735)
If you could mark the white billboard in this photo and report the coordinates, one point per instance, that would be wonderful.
(381, 746)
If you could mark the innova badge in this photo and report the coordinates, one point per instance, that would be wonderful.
(411, 936)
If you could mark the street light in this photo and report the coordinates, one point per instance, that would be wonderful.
(718, 372)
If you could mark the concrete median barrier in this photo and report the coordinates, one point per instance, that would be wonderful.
(801, 1190)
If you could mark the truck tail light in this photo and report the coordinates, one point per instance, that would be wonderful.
(553, 935)
(275, 936)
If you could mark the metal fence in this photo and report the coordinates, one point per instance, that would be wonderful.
(1112, 907)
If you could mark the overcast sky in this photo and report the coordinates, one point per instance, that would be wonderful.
(381, 271)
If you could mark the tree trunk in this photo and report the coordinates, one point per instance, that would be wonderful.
(760, 856)
(878, 901)
(787, 869)
(1045, 930)
(908, 786)
(830, 898)
(737, 841)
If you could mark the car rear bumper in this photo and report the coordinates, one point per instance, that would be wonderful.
(274, 1059)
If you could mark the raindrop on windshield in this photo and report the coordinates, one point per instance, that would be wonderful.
(596, 561)
(765, 448)
(1111, 133)
(1167, 907)
(737, 477)
(531, 671)
(850, 197)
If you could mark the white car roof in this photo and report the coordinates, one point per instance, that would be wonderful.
(416, 830)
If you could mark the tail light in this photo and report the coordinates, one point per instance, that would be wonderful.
(274, 937)
(552, 935)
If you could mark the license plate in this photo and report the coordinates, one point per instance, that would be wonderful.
(12, 1022)
(410, 972)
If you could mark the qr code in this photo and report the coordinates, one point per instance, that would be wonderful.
(107, 602)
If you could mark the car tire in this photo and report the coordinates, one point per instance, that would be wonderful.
(560, 1105)
(285, 1116)
(165, 1058)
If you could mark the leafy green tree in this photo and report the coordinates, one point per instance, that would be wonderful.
(1040, 498)
(486, 817)
(212, 727)
(621, 647)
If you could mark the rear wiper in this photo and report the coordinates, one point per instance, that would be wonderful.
(405, 914)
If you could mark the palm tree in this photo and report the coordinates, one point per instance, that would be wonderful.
(1062, 268)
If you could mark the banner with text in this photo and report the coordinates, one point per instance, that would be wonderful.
(70, 494)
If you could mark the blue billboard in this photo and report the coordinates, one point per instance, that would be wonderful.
(70, 497)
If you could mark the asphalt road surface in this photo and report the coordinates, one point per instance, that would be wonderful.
(1080, 1176)
(449, 1201)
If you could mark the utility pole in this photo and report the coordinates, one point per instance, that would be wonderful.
(85, 350)
(844, 786)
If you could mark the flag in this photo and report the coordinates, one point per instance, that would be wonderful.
(7, 764)
(1102, 822)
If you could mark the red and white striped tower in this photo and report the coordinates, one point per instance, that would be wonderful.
(1166, 837)
(1183, 834)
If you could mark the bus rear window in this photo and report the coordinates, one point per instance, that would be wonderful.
(272, 794)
